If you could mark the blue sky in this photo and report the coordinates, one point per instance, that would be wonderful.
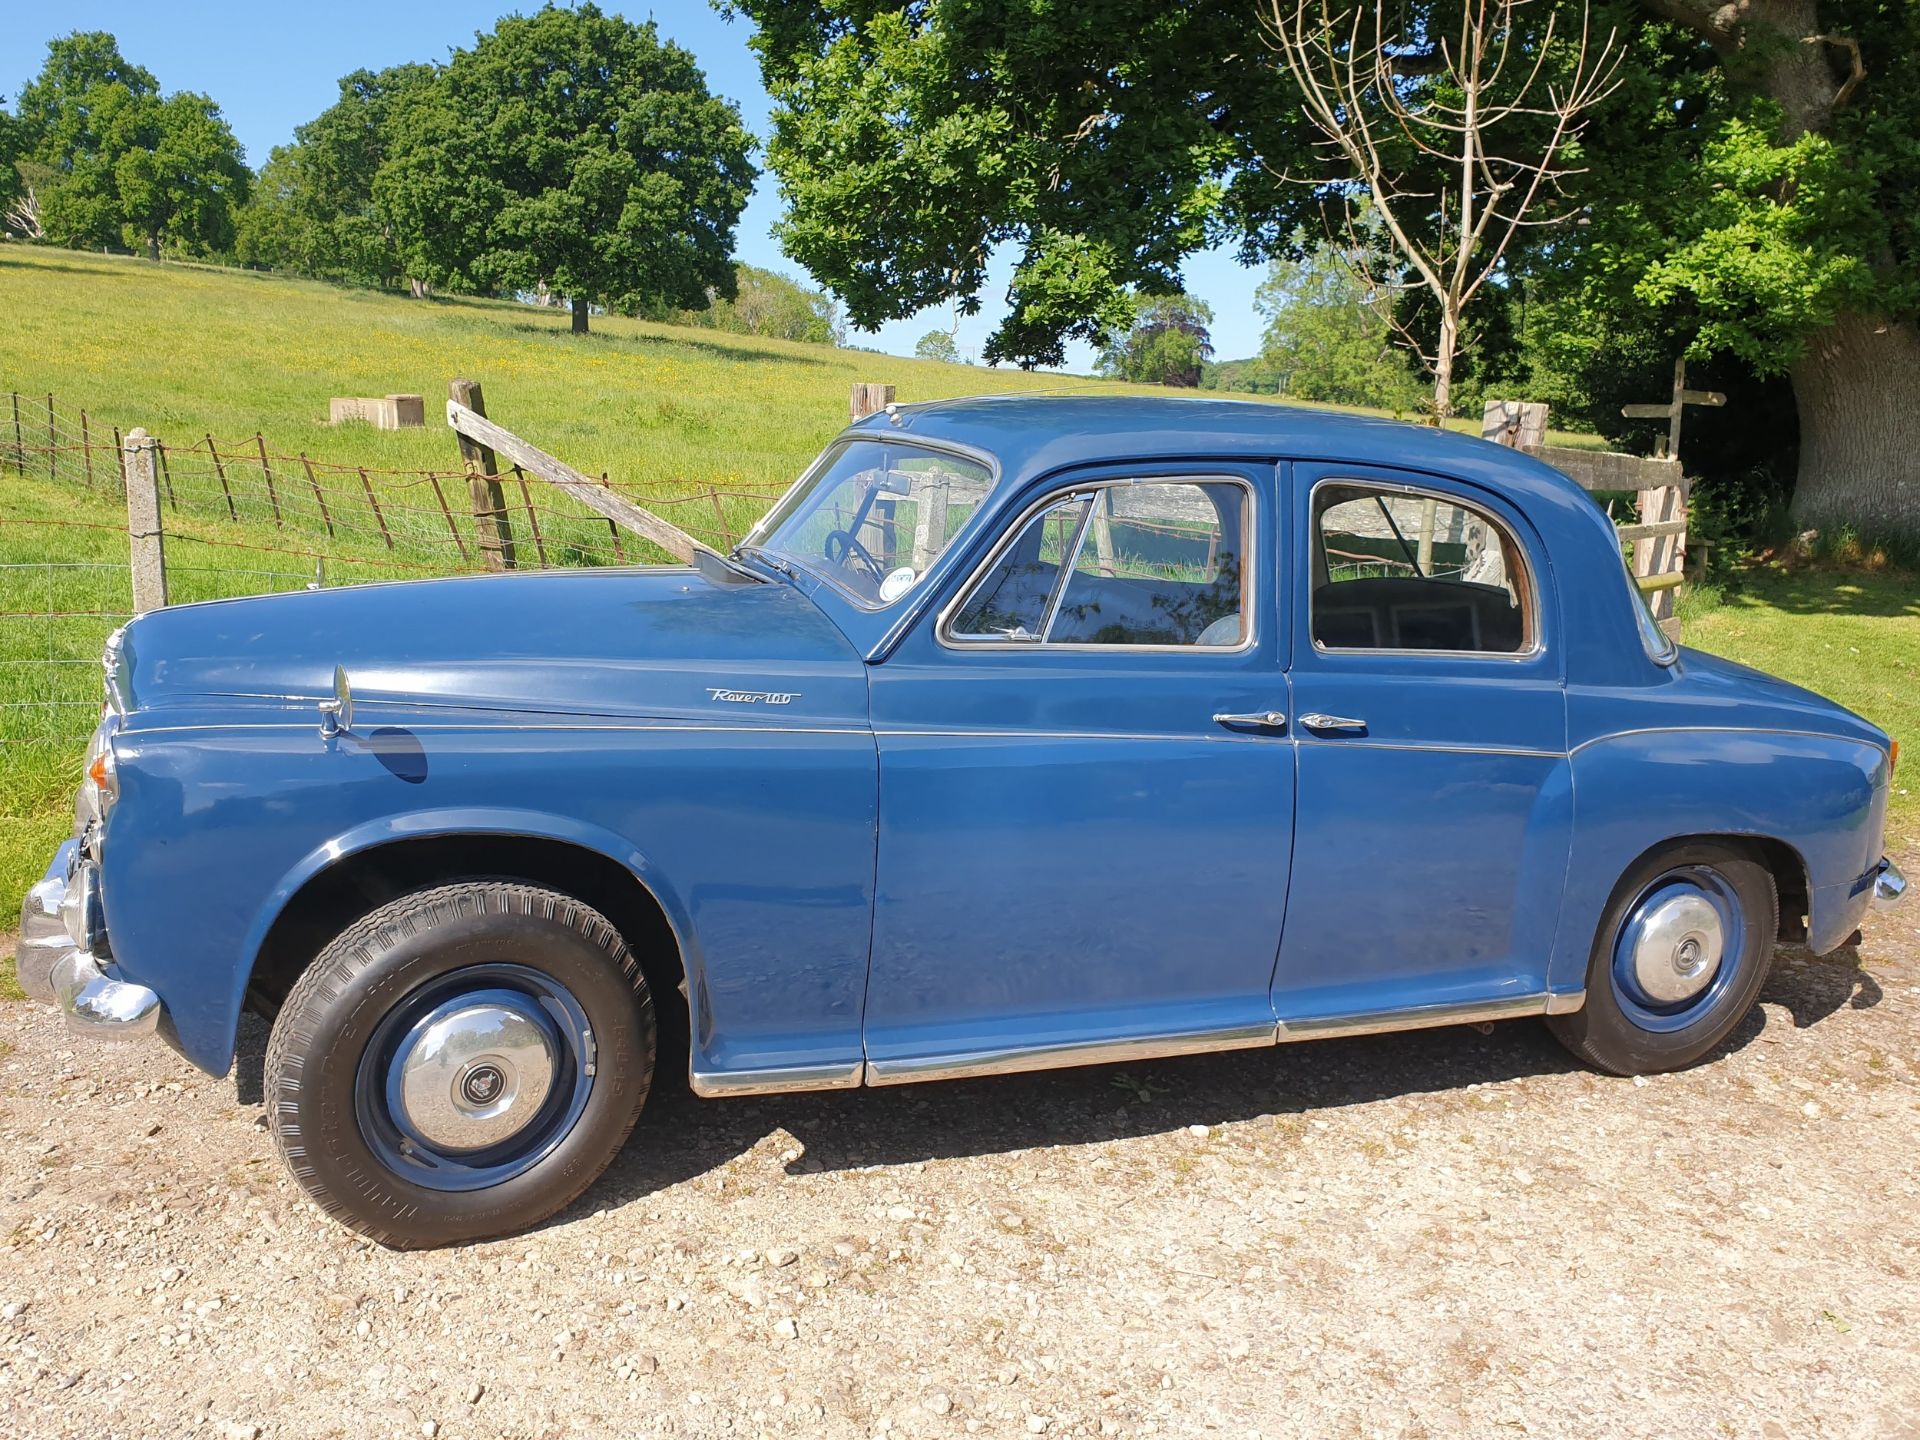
(272, 66)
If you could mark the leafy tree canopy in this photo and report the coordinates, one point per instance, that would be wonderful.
(125, 164)
(12, 144)
(1748, 191)
(765, 304)
(1166, 344)
(574, 150)
(313, 209)
(1329, 336)
(938, 345)
(1103, 142)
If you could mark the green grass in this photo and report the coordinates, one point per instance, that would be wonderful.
(185, 351)
(1851, 635)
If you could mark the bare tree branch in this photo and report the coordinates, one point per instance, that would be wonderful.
(1858, 73)
(1356, 90)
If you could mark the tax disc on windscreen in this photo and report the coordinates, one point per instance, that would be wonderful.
(897, 583)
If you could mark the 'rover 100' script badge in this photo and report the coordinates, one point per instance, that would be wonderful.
(755, 697)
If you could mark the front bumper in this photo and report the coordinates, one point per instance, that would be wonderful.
(53, 964)
(1889, 885)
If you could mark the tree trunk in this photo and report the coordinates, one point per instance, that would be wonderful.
(1857, 386)
(1857, 389)
(1443, 368)
(579, 316)
(417, 288)
(153, 246)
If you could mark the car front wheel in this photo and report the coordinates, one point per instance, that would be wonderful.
(1682, 950)
(460, 1063)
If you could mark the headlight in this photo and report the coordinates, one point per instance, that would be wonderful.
(100, 783)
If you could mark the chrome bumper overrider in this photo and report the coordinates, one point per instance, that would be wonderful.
(53, 966)
(1889, 885)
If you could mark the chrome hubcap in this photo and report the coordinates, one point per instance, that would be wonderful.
(476, 1076)
(1679, 948)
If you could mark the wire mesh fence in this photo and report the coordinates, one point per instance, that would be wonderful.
(241, 517)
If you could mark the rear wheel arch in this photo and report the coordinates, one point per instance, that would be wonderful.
(336, 896)
(1781, 859)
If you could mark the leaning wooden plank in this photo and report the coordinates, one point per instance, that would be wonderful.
(1649, 531)
(1603, 470)
(610, 503)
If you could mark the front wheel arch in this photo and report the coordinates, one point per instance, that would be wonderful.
(334, 897)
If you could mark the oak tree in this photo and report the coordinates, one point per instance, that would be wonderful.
(123, 163)
(573, 150)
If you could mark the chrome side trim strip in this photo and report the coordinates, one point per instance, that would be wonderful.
(1018, 1060)
(1725, 730)
(1441, 747)
(715, 1084)
(1059, 1057)
(1422, 1017)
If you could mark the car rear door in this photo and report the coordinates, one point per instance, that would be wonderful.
(1086, 792)
(1429, 720)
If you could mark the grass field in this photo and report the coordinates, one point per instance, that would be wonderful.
(185, 351)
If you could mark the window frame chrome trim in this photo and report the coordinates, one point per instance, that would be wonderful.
(1249, 585)
(983, 458)
(1395, 487)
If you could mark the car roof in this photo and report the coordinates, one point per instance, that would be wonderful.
(1031, 435)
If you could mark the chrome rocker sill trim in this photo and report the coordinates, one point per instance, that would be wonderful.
(1889, 885)
(717, 1084)
(912, 1071)
(1058, 1057)
(1423, 1017)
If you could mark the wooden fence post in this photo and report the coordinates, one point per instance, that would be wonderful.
(146, 543)
(1521, 424)
(868, 396)
(273, 496)
(19, 445)
(220, 469)
(491, 528)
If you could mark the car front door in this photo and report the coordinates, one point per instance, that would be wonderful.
(1086, 791)
(1429, 719)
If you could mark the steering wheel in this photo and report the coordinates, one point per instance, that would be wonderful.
(851, 547)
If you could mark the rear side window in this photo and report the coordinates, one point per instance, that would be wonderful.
(1400, 570)
(1157, 563)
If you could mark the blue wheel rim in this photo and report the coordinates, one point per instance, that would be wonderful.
(538, 1005)
(1694, 891)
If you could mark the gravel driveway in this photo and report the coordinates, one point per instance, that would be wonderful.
(1443, 1233)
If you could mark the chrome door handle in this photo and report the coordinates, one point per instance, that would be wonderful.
(1317, 721)
(1264, 719)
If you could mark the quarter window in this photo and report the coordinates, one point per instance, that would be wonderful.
(1154, 562)
(1395, 570)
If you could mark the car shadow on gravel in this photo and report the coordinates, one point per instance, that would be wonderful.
(680, 1138)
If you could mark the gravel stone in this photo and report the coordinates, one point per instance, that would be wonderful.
(1441, 1233)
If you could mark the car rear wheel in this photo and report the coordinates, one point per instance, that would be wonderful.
(1682, 950)
(460, 1063)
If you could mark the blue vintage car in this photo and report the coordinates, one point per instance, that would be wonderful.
(1021, 733)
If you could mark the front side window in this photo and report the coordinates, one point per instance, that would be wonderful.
(1151, 562)
(873, 516)
(1395, 570)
